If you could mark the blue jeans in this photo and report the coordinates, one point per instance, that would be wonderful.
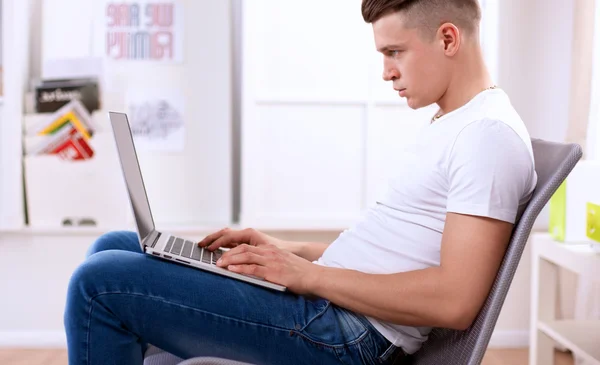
(119, 300)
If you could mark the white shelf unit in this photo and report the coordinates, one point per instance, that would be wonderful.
(582, 337)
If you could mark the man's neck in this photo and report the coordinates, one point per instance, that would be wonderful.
(472, 79)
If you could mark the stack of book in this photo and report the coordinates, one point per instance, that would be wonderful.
(51, 95)
(66, 133)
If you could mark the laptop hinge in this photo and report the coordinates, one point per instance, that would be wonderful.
(152, 239)
(155, 239)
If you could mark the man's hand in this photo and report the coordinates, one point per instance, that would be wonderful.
(272, 264)
(229, 238)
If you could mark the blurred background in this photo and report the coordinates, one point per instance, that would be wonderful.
(245, 113)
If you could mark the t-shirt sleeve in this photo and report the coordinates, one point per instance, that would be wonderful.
(490, 171)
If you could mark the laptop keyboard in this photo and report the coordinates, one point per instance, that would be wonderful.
(189, 249)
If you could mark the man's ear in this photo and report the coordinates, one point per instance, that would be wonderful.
(449, 37)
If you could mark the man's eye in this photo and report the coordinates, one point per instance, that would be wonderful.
(394, 53)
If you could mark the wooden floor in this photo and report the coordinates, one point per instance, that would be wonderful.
(59, 357)
(33, 357)
(521, 357)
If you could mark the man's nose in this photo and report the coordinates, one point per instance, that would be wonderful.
(390, 73)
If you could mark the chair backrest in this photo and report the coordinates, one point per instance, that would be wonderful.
(553, 162)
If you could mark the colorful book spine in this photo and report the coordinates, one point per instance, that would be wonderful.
(61, 122)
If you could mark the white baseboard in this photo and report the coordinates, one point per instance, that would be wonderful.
(509, 339)
(54, 339)
(33, 339)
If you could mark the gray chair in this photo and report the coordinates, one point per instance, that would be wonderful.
(554, 161)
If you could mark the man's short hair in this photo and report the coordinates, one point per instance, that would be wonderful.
(427, 15)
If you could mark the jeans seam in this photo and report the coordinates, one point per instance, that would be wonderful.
(319, 314)
(182, 306)
(89, 331)
(340, 346)
(351, 343)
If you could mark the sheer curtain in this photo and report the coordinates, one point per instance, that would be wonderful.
(587, 303)
(593, 137)
(581, 73)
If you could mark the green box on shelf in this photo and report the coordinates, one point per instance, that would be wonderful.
(593, 222)
(558, 209)
(568, 205)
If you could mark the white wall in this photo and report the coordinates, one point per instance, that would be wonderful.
(535, 62)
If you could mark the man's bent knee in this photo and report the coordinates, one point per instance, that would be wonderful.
(85, 282)
(116, 240)
(92, 273)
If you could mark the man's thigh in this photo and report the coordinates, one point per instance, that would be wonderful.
(189, 312)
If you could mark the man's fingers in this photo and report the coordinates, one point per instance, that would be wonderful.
(223, 241)
(212, 237)
(252, 270)
(230, 238)
(242, 258)
(241, 249)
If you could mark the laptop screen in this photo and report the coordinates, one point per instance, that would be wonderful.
(132, 174)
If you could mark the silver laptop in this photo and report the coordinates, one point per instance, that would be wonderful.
(153, 242)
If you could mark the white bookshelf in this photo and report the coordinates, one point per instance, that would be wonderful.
(581, 336)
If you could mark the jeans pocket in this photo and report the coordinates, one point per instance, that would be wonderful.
(391, 355)
(334, 327)
(352, 325)
(376, 349)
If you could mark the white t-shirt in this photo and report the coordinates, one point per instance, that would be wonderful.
(476, 160)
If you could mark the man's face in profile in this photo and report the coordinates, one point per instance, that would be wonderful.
(413, 59)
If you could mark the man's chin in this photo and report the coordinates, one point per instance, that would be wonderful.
(413, 104)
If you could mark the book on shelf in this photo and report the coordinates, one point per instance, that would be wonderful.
(51, 95)
(65, 133)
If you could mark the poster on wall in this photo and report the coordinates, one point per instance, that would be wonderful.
(143, 30)
(156, 119)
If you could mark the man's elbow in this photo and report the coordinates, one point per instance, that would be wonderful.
(463, 322)
(460, 316)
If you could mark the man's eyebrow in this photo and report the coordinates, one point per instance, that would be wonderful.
(389, 47)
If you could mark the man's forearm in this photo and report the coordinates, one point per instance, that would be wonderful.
(415, 298)
(310, 251)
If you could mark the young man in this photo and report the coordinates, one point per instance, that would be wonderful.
(425, 256)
